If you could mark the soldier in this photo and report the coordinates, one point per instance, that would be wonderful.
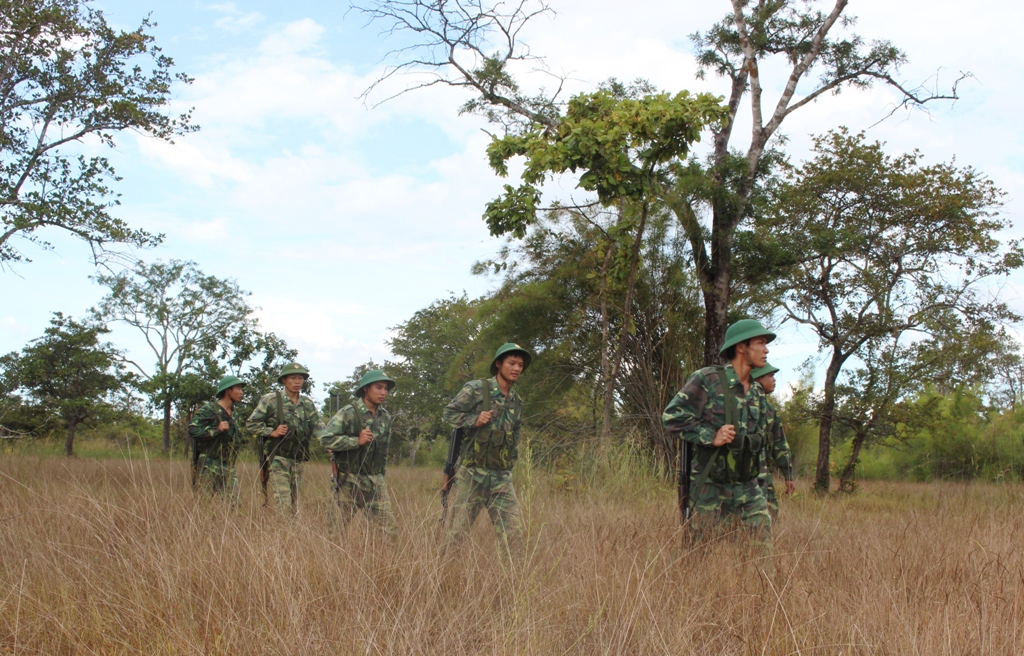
(724, 414)
(358, 437)
(287, 421)
(491, 413)
(776, 448)
(215, 438)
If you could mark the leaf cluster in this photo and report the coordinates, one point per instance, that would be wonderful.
(616, 145)
(65, 76)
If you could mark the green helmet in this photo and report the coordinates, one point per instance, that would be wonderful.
(743, 330)
(373, 376)
(227, 382)
(505, 349)
(292, 368)
(763, 371)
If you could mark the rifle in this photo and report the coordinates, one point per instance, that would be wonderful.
(451, 466)
(334, 477)
(264, 466)
(685, 463)
(195, 460)
(262, 444)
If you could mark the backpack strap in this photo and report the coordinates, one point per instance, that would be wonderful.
(280, 410)
(729, 397)
(487, 394)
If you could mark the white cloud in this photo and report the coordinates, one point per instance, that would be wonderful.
(296, 37)
(214, 231)
(234, 19)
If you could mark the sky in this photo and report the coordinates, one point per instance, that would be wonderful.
(343, 216)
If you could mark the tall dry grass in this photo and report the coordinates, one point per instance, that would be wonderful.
(111, 557)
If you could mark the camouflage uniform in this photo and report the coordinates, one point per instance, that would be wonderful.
(776, 452)
(488, 454)
(286, 454)
(361, 469)
(216, 450)
(731, 492)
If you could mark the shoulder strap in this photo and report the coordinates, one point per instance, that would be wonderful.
(357, 417)
(280, 408)
(487, 394)
(729, 397)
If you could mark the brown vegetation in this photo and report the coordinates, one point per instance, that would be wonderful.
(110, 557)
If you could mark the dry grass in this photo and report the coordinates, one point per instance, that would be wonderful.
(111, 557)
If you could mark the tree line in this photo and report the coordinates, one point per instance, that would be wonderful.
(623, 292)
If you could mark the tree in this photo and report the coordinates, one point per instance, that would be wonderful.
(67, 76)
(69, 373)
(887, 246)
(476, 45)
(621, 144)
(553, 296)
(186, 317)
(867, 403)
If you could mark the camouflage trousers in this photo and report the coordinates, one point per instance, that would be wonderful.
(768, 487)
(721, 508)
(284, 482)
(217, 477)
(368, 493)
(477, 488)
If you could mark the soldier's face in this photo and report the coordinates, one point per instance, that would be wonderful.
(767, 382)
(235, 393)
(293, 383)
(511, 367)
(757, 352)
(375, 393)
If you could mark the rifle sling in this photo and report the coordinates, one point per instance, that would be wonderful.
(280, 410)
(729, 398)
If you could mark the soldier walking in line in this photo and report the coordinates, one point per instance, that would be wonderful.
(287, 420)
(215, 437)
(491, 414)
(358, 437)
(776, 450)
(724, 414)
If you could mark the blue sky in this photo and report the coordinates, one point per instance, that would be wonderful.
(343, 220)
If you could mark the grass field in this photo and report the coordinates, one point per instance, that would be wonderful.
(117, 556)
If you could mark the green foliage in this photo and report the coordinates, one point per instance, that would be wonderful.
(69, 76)
(955, 437)
(616, 145)
(68, 374)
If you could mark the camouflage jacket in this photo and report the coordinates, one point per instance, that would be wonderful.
(698, 411)
(303, 422)
(221, 445)
(776, 449)
(495, 445)
(342, 437)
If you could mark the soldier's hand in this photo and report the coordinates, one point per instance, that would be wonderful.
(484, 418)
(280, 431)
(365, 437)
(725, 435)
(790, 487)
(222, 427)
